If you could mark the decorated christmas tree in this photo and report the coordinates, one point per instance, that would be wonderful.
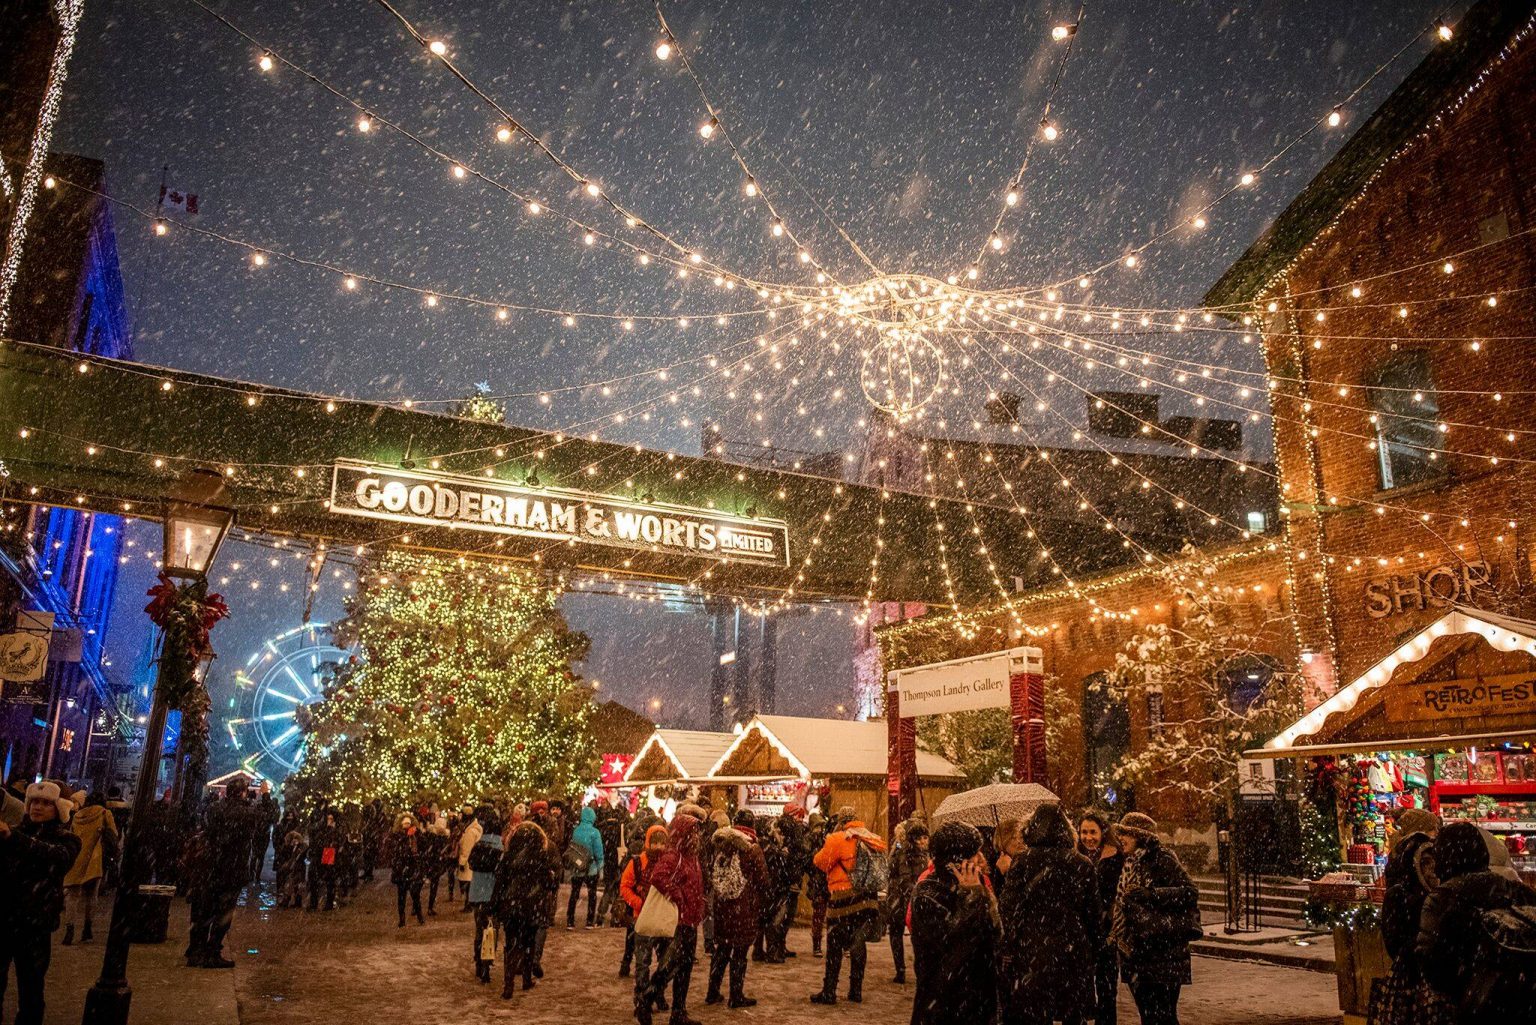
(462, 688)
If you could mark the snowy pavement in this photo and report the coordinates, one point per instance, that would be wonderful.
(297, 968)
(352, 966)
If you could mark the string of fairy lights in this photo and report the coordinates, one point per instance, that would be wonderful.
(905, 338)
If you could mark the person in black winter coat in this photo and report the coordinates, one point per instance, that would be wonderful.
(954, 934)
(229, 832)
(1156, 916)
(526, 876)
(1051, 918)
(907, 861)
(1448, 925)
(611, 822)
(1096, 843)
(324, 848)
(1410, 877)
(35, 854)
(407, 866)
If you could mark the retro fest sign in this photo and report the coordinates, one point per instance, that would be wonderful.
(468, 503)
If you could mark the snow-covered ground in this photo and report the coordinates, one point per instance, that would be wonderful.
(345, 967)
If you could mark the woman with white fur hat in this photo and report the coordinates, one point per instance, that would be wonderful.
(33, 859)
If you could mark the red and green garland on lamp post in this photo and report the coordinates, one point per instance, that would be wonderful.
(463, 689)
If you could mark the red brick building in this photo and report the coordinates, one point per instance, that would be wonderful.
(1395, 300)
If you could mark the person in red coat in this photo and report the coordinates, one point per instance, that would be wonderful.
(740, 878)
(679, 877)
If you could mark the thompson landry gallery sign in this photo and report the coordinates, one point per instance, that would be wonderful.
(468, 503)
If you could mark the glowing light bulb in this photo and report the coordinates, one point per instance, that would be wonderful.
(778, 228)
(589, 238)
(258, 259)
(707, 129)
(49, 182)
(161, 227)
(438, 47)
(459, 172)
(1061, 32)
(504, 133)
(972, 273)
(1049, 131)
(1083, 282)
(365, 124)
(1131, 260)
(593, 189)
(1443, 31)
(1448, 267)
(431, 300)
(503, 313)
(995, 242)
(1356, 292)
(1246, 179)
(1335, 117)
(265, 63)
(805, 257)
(750, 188)
(1199, 221)
(534, 207)
(349, 283)
(1012, 198)
(664, 49)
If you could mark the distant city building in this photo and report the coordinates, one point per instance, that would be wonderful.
(59, 562)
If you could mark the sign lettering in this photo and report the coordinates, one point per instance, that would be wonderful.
(1435, 588)
(1483, 696)
(466, 503)
(960, 686)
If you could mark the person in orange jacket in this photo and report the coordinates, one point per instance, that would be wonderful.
(853, 914)
(634, 884)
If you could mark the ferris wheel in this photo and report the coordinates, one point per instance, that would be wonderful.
(281, 679)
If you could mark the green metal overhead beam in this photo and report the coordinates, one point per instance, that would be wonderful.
(133, 415)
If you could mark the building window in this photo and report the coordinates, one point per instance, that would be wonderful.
(1106, 742)
(1406, 413)
(1257, 522)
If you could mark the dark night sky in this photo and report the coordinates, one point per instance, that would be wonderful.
(904, 120)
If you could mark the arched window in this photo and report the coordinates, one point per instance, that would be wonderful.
(1106, 742)
(1246, 679)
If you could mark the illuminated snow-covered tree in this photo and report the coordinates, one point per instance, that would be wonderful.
(1203, 687)
(462, 688)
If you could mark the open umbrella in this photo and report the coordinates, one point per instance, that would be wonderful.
(989, 805)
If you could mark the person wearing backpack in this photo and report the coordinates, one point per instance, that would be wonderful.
(853, 859)
(611, 821)
(484, 858)
(1477, 933)
(584, 864)
(740, 876)
(528, 872)
(908, 861)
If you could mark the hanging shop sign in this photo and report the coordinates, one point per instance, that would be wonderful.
(1512, 694)
(1435, 588)
(962, 685)
(24, 654)
(468, 503)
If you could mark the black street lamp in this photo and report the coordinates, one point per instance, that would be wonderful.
(197, 518)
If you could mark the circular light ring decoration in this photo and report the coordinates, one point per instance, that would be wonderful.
(277, 684)
(903, 373)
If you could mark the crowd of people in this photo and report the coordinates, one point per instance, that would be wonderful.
(1027, 923)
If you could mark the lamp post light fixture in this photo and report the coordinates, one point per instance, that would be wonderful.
(197, 516)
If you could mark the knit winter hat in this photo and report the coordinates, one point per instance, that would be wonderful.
(1139, 825)
(49, 791)
(1417, 820)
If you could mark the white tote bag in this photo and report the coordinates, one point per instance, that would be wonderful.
(658, 916)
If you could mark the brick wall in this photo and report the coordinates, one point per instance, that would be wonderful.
(1462, 191)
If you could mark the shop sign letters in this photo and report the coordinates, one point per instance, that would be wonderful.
(468, 503)
(1435, 588)
(1481, 697)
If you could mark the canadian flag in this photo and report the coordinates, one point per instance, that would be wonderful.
(175, 199)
